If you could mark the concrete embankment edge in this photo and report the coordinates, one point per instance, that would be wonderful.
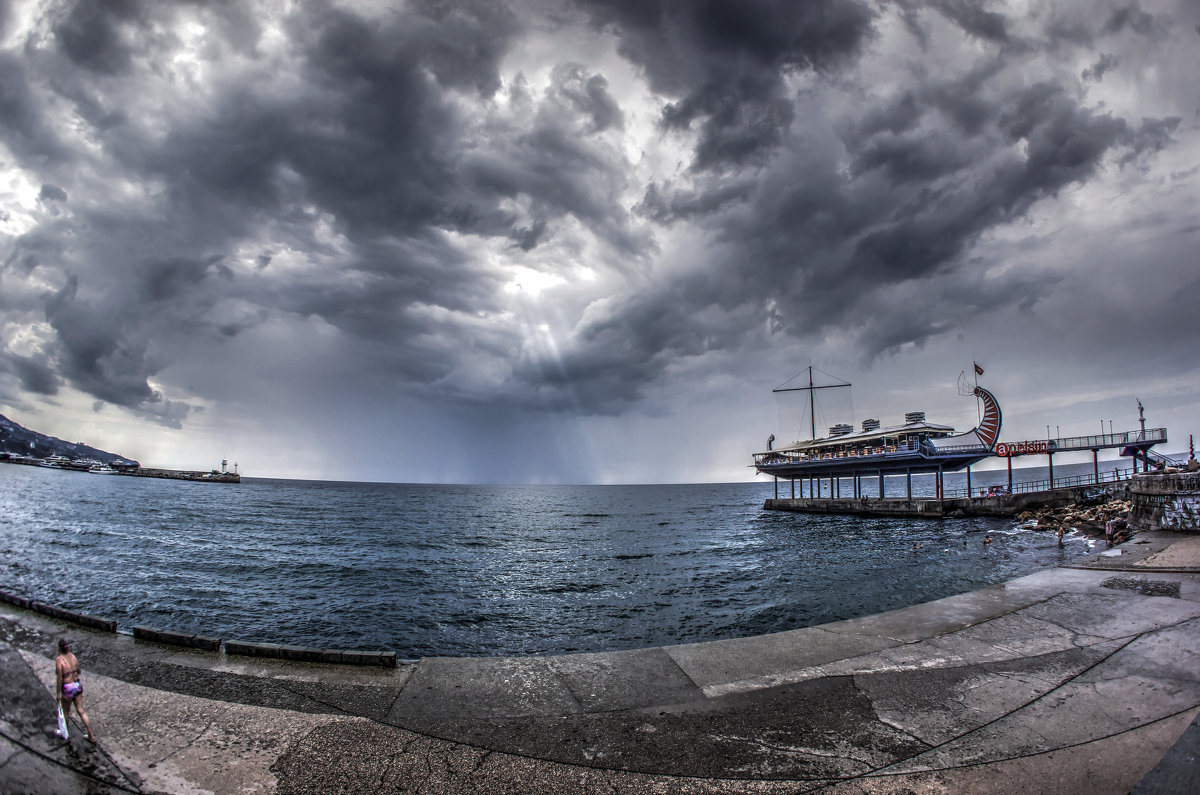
(61, 613)
(385, 659)
(200, 642)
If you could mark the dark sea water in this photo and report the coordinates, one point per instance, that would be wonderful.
(478, 570)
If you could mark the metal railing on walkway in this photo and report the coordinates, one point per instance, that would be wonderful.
(1104, 441)
(1045, 484)
(1165, 460)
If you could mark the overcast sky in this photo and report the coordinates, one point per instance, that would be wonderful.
(550, 241)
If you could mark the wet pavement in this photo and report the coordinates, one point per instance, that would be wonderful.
(1075, 679)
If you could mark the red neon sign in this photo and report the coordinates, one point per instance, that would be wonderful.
(1006, 449)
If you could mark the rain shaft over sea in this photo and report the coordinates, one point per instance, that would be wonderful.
(478, 570)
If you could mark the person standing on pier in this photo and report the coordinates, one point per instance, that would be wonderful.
(68, 689)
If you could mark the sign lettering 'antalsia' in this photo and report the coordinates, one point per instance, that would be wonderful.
(1004, 449)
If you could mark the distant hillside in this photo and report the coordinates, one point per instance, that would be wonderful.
(16, 439)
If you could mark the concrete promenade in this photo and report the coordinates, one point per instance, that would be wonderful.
(1075, 679)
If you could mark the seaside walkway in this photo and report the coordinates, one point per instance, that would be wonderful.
(1074, 679)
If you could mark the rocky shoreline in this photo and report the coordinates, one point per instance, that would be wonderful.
(1108, 520)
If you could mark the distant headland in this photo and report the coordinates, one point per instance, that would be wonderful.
(20, 445)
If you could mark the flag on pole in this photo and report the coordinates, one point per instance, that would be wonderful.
(978, 369)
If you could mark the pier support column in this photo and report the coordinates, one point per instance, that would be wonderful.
(776, 477)
(1050, 457)
(1096, 465)
(1009, 474)
(881, 484)
(968, 483)
(838, 488)
(793, 488)
(908, 484)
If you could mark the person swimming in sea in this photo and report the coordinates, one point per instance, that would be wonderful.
(987, 540)
(68, 689)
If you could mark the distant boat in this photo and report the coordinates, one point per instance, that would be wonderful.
(915, 446)
(102, 469)
(62, 462)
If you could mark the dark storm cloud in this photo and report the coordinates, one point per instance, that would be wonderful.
(527, 237)
(668, 203)
(101, 36)
(98, 357)
(52, 193)
(1096, 71)
(35, 373)
(725, 63)
(25, 130)
(946, 190)
(873, 238)
(368, 159)
(589, 95)
(626, 344)
(975, 19)
(380, 179)
(1130, 16)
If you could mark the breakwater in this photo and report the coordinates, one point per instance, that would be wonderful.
(212, 476)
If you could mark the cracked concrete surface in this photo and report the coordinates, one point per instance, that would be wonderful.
(1068, 680)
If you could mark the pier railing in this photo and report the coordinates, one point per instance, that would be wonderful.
(1104, 441)
(1113, 476)
(1165, 460)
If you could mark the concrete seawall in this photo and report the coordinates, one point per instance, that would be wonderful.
(61, 613)
(385, 659)
(1165, 501)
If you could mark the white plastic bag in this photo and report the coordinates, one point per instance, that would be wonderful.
(62, 724)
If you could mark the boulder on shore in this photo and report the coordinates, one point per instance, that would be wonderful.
(1090, 520)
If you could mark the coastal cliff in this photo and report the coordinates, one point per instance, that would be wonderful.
(18, 441)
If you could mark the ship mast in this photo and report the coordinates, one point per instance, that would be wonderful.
(812, 403)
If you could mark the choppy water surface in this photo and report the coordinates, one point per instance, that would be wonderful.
(476, 570)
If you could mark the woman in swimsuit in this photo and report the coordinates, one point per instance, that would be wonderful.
(67, 687)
